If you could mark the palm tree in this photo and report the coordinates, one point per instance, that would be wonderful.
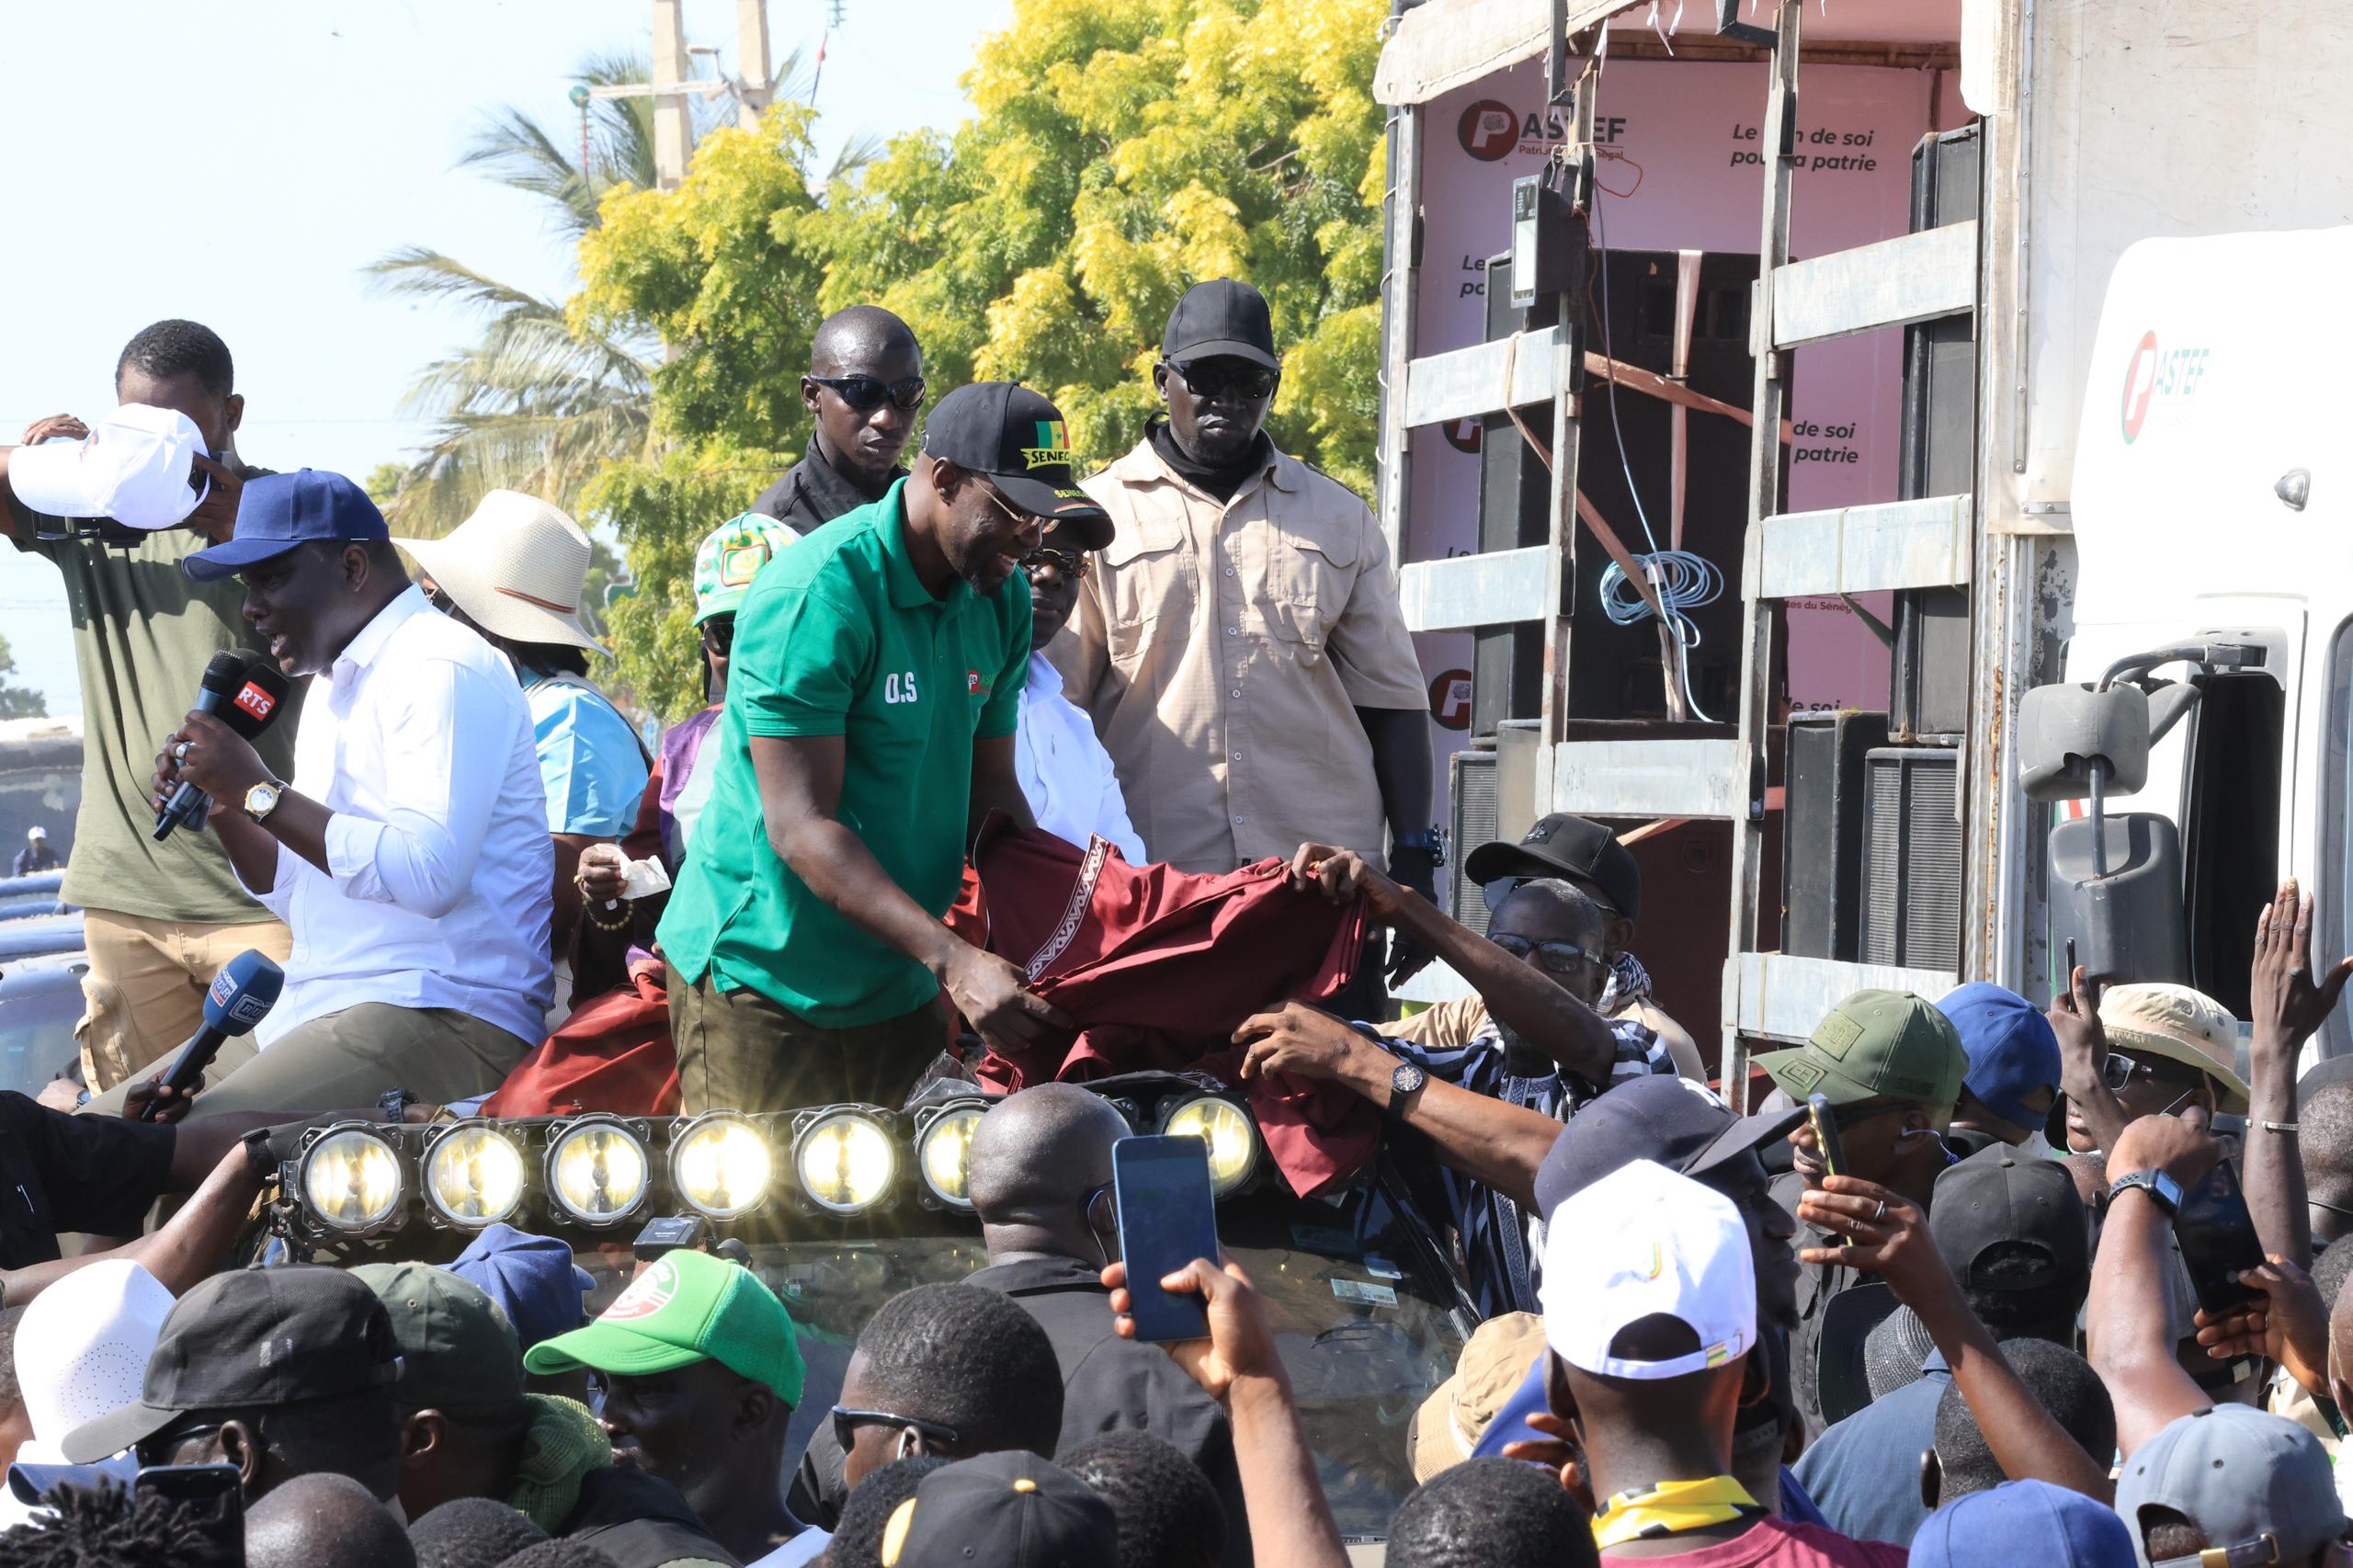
(535, 404)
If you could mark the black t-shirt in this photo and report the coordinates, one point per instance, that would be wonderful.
(639, 1520)
(96, 1173)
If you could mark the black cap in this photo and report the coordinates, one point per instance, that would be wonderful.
(2028, 1208)
(1673, 1121)
(252, 1340)
(1223, 318)
(1008, 1510)
(1020, 441)
(1586, 853)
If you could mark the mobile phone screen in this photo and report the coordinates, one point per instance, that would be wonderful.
(213, 1501)
(1167, 1218)
(2217, 1239)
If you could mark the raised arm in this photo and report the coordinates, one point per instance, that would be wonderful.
(2289, 1003)
(2128, 1333)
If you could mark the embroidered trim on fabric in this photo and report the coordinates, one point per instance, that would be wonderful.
(1082, 894)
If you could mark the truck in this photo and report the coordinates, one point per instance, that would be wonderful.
(1972, 352)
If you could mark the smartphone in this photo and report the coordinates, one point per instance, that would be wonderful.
(1167, 1218)
(2217, 1239)
(2067, 981)
(1825, 1122)
(212, 1501)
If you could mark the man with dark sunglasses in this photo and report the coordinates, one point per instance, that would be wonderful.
(864, 386)
(1240, 645)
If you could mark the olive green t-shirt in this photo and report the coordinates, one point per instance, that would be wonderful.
(838, 636)
(144, 631)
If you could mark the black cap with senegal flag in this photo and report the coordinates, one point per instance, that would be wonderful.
(1877, 1045)
(1008, 1510)
(685, 1307)
(1020, 443)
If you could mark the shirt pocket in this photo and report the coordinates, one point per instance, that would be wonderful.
(1148, 580)
(1310, 577)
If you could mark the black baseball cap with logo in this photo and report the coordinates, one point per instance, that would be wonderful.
(252, 1340)
(1584, 853)
(1221, 319)
(1020, 443)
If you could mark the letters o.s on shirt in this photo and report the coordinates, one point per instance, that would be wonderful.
(899, 688)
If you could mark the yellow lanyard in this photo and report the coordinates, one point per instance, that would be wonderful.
(1671, 1507)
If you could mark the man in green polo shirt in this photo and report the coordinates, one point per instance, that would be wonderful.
(871, 702)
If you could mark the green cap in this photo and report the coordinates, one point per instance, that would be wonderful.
(457, 1347)
(1877, 1045)
(685, 1307)
(730, 556)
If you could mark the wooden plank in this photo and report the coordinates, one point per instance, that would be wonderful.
(1912, 278)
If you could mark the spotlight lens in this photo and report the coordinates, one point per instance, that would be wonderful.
(597, 1171)
(352, 1180)
(721, 1167)
(943, 1152)
(474, 1176)
(846, 1162)
(1233, 1144)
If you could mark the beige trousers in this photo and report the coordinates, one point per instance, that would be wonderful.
(145, 994)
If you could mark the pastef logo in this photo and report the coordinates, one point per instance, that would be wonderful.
(978, 685)
(1052, 447)
(1488, 130)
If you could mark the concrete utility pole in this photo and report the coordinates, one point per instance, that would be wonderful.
(673, 123)
(754, 91)
(674, 131)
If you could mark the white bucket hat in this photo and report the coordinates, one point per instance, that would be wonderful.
(136, 466)
(82, 1350)
(1643, 1242)
(518, 567)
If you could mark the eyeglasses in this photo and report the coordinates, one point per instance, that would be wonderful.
(439, 600)
(1101, 1208)
(1216, 378)
(1560, 958)
(847, 1421)
(864, 394)
(1013, 514)
(1073, 565)
(165, 1446)
(719, 633)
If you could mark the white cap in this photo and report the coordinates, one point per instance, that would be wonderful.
(134, 466)
(1643, 1242)
(82, 1350)
(36, 830)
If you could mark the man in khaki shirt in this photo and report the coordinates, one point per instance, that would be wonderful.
(1240, 646)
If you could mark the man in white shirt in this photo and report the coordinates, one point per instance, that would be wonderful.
(409, 854)
(1065, 774)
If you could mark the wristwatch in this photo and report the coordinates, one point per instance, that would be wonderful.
(2159, 1185)
(1431, 841)
(1405, 1081)
(262, 798)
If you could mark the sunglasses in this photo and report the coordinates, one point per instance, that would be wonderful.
(719, 633)
(1561, 957)
(1071, 564)
(864, 394)
(1015, 515)
(1217, 378)
(847, 1421)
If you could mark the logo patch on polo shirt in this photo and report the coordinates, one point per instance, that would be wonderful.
(1052, 447)
(978, 685)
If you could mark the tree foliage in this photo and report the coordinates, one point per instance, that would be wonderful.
(1119, 153)
(18, 701)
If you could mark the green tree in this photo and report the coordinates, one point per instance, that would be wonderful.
(18, 701)
(1119, 153)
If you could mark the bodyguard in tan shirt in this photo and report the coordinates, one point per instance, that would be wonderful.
(1240, 645)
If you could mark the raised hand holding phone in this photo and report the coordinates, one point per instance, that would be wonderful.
(1167, 1219)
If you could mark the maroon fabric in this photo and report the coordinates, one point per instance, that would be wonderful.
(1160, 967)
(613, 1054)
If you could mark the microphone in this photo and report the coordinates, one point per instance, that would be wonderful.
(241, 995)
(243, 688)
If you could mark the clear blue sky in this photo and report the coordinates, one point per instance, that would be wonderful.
(239, 165)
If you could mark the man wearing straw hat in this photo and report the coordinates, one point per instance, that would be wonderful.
(515, 571)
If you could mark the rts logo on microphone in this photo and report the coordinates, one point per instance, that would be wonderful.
(256, 701)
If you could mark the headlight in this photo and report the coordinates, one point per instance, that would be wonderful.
(474, 1176)
(719, 1165)
(596, 1171)
(845, 1161)
(944, 1149)
(352, 1180)
(1225, 1128)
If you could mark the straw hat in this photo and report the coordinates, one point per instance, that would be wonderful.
(1452, 1419)
(518, 567)
(2180, 1025)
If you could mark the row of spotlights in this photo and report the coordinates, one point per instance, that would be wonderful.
(597, 1170)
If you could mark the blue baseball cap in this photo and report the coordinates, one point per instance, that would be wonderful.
(279, 511)
(2023, 1521)
(532, 1278)
(2012, 1051)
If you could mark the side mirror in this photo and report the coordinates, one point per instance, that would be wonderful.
(2067, 732)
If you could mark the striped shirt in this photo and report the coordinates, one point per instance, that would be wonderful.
(1501, 1244)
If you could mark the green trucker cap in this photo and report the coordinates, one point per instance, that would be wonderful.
(685, 1307)
(1877, 1045)
(457, 1347)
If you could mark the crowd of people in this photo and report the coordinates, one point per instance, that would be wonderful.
(1977, 1283)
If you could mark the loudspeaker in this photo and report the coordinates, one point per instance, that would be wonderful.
(1515, 510)
(1912, 856)
(1474, 808)
(1821, 863)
